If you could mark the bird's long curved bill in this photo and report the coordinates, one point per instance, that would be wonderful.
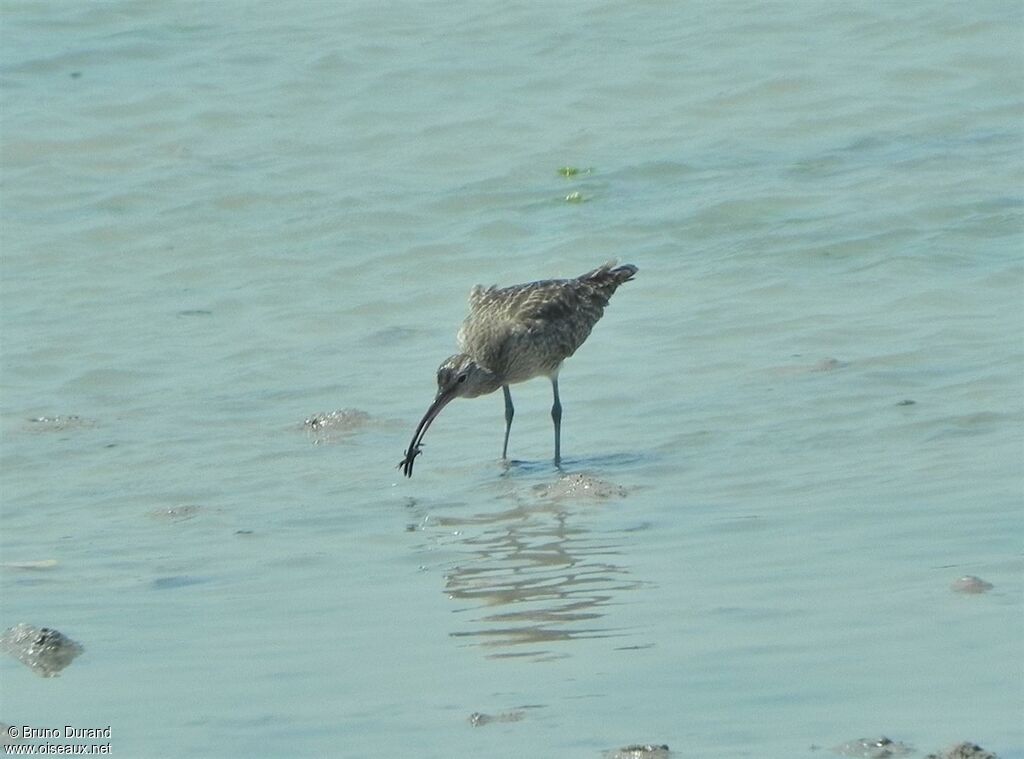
(417, 438)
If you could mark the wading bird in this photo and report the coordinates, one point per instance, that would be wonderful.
(516, 333)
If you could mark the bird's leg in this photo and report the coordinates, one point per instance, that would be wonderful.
(556, 417)
(509, 413)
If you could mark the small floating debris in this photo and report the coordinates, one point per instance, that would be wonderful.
(574, 197)
(580, 485)
(874, 748)
(971, 584)
(906, 402)
(479, 719)
(640, 751)
(195, 312)
(574, 171)
(60, 422)
(29, 565)
(332, 425)
(824, 366)
(828, 365)
(963, 750)
(42, 649)
(176, 581)
(176, 513)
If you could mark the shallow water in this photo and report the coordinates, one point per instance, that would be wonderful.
(221, 221)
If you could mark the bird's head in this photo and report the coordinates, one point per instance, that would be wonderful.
(458, 376)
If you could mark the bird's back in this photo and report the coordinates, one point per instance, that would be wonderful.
(527, 330)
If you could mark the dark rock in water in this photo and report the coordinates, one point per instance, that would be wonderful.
(874, 748)
(479, 719)
(884, 748)
(963, 750)
(640, 751)
(333, 425)
(42, 649)
(971, 585)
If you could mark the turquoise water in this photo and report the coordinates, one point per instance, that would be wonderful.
(220, 219)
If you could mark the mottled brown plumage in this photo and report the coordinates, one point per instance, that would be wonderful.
(516, 333)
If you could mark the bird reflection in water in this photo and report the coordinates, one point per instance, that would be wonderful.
(533, 580)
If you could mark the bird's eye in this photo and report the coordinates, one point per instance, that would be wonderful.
(462, 378)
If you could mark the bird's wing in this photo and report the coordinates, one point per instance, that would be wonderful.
(547, 300)
(554, 316)
(559, 313)
(478, 296)
(487, 331)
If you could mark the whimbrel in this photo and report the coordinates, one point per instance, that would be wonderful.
(516, 333)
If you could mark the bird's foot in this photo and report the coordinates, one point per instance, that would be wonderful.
(410, 456)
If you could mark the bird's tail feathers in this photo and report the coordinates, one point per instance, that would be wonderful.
(611, 275)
